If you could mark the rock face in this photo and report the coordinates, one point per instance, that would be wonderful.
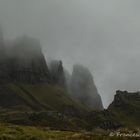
(25, 63)
(84, 89)
(126, 108)
(57, 72)
(26, 80)
(124, 99)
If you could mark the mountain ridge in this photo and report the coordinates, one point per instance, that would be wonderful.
(34, 93)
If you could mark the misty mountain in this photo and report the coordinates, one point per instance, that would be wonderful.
(27, 80)
(29, 84)
(24, 62)
(83, 88)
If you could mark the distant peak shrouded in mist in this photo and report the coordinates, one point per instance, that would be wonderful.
(81, 86)
(25, 63)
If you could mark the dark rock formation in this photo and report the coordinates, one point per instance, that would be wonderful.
(25, 63)
(126, 108)
(27, 81)
(84, 89)
(123, 99)
(57, 72)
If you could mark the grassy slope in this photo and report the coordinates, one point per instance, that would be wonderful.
(44, 96)
(14, 132)
(47, 97)
(30, 101)
(53, 96)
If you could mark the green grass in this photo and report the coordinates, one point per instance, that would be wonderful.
(52, 96)
(44, 97)
(30, 102)
(14, 132)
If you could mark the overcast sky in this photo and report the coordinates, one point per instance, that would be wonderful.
(103, 35)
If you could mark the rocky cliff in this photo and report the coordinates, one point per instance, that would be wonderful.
(125, 99)
(57, 73)
(126, 107)
(83, 88)
(25, 62)
(26, 80)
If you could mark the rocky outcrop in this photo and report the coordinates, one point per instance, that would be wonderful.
(84, 89)
(25, 62)
(57, 73)
(124, 99)
(126, 108)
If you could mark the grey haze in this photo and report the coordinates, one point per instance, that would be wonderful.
(103, 35)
